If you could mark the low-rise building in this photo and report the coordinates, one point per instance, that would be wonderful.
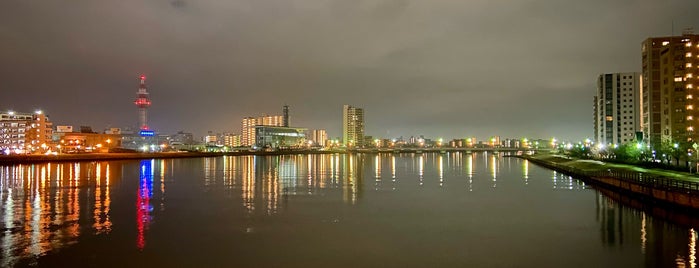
(279, 137)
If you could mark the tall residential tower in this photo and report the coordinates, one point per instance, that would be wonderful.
(352, 126)
(617, 108)
(669, 94)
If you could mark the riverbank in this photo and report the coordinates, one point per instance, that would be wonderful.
(668, 187)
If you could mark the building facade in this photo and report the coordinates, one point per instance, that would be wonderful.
(280, 137)
(24, 132)
(352, 126)
(617, 108)
(319, 137)
(231, 140)
(669, 84)
(248, 131)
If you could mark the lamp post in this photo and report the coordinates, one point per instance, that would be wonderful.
(696, 157)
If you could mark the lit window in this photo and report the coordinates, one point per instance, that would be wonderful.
(690, 118)
(689, 97)
(688, 44)
(689, 75)
(609, 118)
(690, 107)
(665, 43)
(690, 128)
(689, 54)
(678, 79)
(690, 86)
(689, 65)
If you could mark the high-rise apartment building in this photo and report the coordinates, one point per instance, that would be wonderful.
(352, 126)
(617, 108)
(319, 137)
(669, 88)
(248, 131)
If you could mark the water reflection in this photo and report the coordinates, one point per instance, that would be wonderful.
(42, 206)
(51, 206)
(623, 227)
(143, 206)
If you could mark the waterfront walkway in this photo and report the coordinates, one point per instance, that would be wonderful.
(673, 187)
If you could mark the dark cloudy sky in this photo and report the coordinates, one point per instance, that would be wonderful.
(441, 68)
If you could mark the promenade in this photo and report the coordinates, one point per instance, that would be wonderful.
(664, 186)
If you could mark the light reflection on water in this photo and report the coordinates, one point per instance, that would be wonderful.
(50, 207)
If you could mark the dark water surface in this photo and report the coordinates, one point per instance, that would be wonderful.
(365, 210)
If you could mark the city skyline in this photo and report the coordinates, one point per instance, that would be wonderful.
(439, 69)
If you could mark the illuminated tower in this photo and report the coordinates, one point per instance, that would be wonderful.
(142, 102)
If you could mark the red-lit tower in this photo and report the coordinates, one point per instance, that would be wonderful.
(142, 102)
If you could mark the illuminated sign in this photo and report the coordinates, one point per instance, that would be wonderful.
(147, 133)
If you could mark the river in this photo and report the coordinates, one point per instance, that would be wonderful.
(361, 210)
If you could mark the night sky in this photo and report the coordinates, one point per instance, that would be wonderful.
(439, 68)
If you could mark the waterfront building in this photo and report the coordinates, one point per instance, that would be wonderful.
(230, 140)
(77, 142)
(249, 124)
(352, 126)
(211, 139)
(494, 141)
(617, 108)
(319, 137)
(669, 83)
(24, 132)
(248, 131)
(277, 137)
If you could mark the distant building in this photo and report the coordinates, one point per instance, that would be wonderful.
(271, 120)
(669, 79)
(182, 137)
(352, 126)
(231, 140)
(494, 141)
(285, 116)
(617, 108)
(210, 139)
(249, 124)
(319, 137)
(113, 130)
(248, 131)
(77, 142)
(64, 128)
(280, 137)
(24, 132)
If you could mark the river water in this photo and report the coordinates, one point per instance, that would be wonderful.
(363, 210)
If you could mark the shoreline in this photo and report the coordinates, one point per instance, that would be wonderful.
(643, 185)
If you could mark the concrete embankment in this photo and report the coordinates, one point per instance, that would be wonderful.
(658, 189)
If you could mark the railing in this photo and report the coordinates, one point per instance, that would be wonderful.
(642, 179)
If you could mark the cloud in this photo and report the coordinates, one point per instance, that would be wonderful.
(439, 68)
